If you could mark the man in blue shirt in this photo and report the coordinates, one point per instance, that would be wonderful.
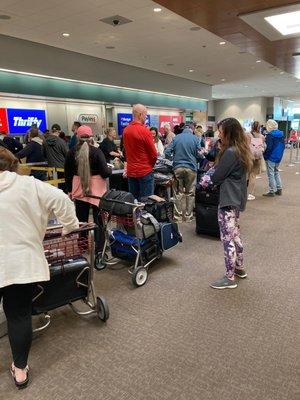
(186, 151)
(273, 156)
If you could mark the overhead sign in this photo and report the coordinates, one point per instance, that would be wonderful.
(124, 119)
(3, 121)
(88, 118)
(20, 120)
(170, 119)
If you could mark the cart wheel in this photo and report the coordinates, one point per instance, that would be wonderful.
(139, 276)
(102, 309)
(100, 261)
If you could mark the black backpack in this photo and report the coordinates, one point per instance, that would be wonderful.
(113, 201)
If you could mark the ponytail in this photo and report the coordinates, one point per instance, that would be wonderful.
(83, 164)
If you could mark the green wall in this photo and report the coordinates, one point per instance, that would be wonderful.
(39, 86)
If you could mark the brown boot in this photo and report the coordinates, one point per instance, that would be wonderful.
(279, 192)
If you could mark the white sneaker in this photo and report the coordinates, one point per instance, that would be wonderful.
(251, 197)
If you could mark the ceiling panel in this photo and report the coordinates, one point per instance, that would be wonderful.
(153, 40)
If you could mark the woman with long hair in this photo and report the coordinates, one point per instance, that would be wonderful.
(157, 142)
(25, 205)
(258, 140)
(85, 173)
(233, 163)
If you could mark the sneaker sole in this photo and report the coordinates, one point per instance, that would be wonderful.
(224, 287)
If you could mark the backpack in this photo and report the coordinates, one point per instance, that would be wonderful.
(257, 147)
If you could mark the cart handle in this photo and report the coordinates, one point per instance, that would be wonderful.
(139, 204)
(83, 227)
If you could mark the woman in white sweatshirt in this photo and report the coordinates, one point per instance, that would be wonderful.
(25, 205)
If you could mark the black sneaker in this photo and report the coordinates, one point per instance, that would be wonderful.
(241, 273)
(269, 194)
(279, 192)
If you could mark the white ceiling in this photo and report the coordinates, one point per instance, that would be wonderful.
(151, 41)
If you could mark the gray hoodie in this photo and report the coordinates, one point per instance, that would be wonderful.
(55, 150)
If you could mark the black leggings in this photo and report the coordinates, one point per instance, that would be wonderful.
(83, 212)
(17, 303)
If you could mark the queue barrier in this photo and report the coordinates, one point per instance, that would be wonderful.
(52, 175)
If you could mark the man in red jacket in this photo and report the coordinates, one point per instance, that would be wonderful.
(140, 153)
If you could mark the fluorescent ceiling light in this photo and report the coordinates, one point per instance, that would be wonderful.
(286, 24)
(258, 61)
(65, 34)
(222, 43)
(157, 9)
(191, 70)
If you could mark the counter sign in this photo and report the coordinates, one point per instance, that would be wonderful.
(20, 120)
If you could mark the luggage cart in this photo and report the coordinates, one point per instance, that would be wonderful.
(71, 261)
(126, 232)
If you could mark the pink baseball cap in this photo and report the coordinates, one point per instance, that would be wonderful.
(84, 131)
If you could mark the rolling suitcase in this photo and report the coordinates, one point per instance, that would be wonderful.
(207, 220)
(63, 287)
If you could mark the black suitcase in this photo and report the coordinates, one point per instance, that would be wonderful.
(62, 288)
(207, 197)
(207, 220)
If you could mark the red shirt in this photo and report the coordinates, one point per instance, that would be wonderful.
(140, 150)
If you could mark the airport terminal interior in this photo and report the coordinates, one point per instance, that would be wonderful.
(149, 157)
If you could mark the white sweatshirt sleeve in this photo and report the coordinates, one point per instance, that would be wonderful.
(56, 201)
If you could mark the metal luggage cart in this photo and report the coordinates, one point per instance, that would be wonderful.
(143, 254)
(71, 261)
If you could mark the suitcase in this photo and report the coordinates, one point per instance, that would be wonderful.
(62, 288)
(205, 197)
(207, 220)
(169, 235)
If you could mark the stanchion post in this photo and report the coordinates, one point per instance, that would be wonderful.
(291, 164)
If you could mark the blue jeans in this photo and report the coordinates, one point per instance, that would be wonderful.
(141, 187)
(273, 176)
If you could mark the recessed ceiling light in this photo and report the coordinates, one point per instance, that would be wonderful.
(246, 86)
(223, 79)
(222, 43)
(3, 16)
(65, 34)
(286, 24)
(191, 70)
(157, 9)
(281, 73)
(258, 61)
(110, 47)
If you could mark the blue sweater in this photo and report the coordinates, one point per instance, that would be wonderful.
(275, 146)
(184, 150)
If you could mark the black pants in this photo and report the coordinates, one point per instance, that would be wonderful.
(83, 212)
(17, 302)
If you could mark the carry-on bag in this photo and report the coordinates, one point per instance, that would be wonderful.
(163, 211)
(207, 219)
(116, 208)
(169, 235)
(63, 287)
(207, 197)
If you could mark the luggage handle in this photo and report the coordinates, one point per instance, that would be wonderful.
(83, 227)
(117, 201)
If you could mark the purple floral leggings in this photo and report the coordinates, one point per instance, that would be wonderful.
(230, 235)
